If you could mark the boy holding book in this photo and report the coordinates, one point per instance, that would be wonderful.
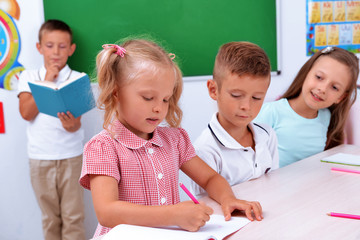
(234, 146)
(55, 145)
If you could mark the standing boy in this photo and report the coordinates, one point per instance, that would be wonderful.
(54, 144)
(232, 144)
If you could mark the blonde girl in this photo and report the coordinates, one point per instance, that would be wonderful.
(131, 167)
(311, 115)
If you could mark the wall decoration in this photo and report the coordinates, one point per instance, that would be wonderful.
(332, 23)
(10, 45)
(2, 119)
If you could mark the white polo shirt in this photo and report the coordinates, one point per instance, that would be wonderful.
(231, 160)
(47, 139)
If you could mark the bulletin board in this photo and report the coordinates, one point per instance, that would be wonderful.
(333, 23)
(192, 29)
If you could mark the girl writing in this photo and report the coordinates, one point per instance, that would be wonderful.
(131, 167)
(311, 115)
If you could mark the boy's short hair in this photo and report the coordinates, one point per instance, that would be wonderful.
(240, 58)
(53, 25)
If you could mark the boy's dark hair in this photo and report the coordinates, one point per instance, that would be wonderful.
(241, 58)
(54, 24)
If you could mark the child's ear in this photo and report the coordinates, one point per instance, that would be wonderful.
(72, 49)
(38, 47)
(212, 88)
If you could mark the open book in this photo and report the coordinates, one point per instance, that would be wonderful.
(216, 228)
(343, 158)
(74, 95)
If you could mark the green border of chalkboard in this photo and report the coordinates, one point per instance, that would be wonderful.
(192, 29)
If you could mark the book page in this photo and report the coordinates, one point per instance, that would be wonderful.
(343, 158)
(46, 84)
(73, 79)
(216, 228)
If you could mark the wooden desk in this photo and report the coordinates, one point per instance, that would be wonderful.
(296, 198)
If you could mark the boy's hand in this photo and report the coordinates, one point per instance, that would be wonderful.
(249, 207)
(69, 122)
(52, 72)
(191, 216)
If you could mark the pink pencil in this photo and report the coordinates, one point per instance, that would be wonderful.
(345, 170)
(189, 193)
(344, 215)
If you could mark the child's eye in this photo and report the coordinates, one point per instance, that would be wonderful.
(318, 77)
(147, 98)
(235, 95)
(335, 88)
(257, 98)
(166, 100)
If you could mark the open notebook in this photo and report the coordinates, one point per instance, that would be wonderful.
(343, 158)
(216, 228)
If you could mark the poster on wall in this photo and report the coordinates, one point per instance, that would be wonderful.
(10, 44)
(332, 23)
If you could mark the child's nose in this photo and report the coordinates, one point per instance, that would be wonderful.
(56, 50)
(322, 87)
(157, 108)
(245, 104)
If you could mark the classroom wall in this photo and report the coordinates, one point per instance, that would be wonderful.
(20, 216)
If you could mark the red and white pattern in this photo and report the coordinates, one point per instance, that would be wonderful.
(147, 171)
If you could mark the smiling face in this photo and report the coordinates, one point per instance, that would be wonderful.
(56, 47)
(144, 102)
(239, 99)
(325, 84)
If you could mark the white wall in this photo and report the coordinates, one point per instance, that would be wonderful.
(19, 212)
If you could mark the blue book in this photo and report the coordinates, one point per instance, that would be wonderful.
(74, 95)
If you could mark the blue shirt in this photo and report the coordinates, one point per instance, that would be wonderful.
(298, 137)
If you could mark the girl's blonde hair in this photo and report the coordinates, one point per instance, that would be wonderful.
(114, 71)
(340, 111)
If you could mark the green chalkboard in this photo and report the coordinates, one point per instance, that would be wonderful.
(192, 29)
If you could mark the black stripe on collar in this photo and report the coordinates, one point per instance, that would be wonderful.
(215, 135)
(261, 128)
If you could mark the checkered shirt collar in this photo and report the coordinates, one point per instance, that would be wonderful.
(130, 140)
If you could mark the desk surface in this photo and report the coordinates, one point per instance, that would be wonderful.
(296, 198)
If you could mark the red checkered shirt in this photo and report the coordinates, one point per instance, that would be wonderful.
(147, 171)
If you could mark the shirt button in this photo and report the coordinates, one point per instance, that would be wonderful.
(150, 150)
(160, 176)
(163, 200)
(245, 150)
(255, 164)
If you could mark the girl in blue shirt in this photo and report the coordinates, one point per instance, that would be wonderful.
(311, 115)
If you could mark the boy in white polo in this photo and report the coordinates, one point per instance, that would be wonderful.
(232, 144)
(55, 145)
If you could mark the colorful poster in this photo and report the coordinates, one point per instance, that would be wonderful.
(332, 23)
(10, 45)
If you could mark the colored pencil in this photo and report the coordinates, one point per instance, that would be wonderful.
(344, 215)
(189, 193)
(345, 170)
